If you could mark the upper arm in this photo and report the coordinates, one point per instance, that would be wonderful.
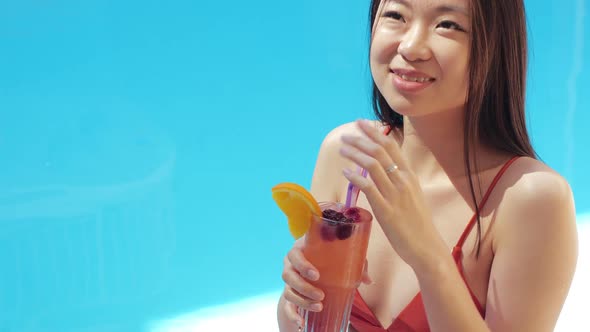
(327, 176)
(535, 255)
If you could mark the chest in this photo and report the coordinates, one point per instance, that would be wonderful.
(395, 284)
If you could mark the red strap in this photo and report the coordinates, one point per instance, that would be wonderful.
(483, 202)
(457, 250)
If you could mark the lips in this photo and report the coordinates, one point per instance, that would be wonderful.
(412, 75)
(410, 81)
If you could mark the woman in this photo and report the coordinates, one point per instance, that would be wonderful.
(473, 233)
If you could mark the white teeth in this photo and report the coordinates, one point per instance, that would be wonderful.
(414, 79)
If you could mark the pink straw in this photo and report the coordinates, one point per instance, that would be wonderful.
(352, 194)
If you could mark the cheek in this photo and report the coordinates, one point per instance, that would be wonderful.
(381, 53)
(375, 64)
(384, 46)
(456, 68)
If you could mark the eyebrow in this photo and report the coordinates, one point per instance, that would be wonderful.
(440, 9)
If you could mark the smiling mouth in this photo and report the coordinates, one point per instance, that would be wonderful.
(412, 78)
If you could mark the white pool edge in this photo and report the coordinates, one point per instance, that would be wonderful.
(259, 313)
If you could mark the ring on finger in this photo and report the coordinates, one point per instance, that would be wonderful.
(391, 169)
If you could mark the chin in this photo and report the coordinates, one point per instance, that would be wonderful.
(406, 106)
(413, 106)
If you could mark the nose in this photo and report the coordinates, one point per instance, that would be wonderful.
(414, 45)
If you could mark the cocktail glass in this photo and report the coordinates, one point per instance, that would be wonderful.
(338, 250)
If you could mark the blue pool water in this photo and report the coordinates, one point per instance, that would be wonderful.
(139, 141)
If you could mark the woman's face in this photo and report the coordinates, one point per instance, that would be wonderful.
(420, 54)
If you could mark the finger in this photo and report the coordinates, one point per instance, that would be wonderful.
(395, 166)
(366, 279)
(381, 181)
(302, 265)
(305, 289)
(369, 147)
(369, 188)
(297, 299)
(376, 151)
(292, 313)
(395, 174)
(388, 143)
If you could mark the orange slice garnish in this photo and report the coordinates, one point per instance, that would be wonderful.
(298, 205)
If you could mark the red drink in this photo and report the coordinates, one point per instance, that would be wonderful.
(337, 248)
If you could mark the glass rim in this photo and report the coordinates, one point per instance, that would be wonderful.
(339, 205)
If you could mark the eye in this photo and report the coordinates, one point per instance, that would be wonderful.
(450, 25)
(393, 15)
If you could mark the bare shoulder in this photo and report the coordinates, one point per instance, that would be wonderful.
(536, 199)
(333, 137)
(332, 141)
(535, 249)
(349, 128)
(533, 184)
(327, 179)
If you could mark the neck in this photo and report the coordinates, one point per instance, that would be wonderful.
(434, 144)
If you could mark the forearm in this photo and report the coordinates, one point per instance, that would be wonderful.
(448, 304)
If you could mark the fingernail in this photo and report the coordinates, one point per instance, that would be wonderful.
(318, 296)
(346, 172)
(316, 307)
(313, 275)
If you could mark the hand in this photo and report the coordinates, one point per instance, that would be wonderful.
(299, 292)
(393, 191)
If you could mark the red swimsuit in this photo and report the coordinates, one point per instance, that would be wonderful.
(413, 317)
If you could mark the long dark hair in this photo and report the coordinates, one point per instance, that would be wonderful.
(495, 102)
